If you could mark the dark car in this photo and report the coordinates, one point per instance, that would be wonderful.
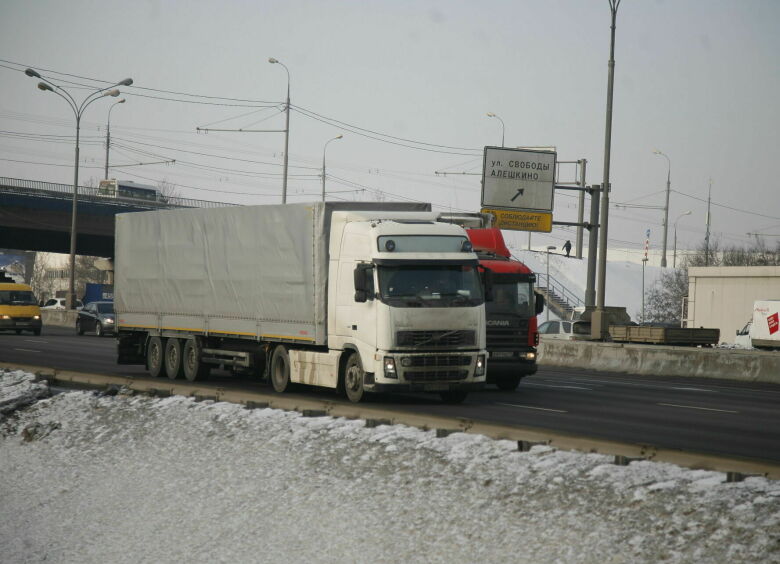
(97, 317)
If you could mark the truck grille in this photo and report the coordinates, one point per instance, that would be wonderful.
(434, 361)
(435, 375)
(435, 338)
(507, 337)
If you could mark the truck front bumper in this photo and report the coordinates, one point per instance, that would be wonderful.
(427, 371)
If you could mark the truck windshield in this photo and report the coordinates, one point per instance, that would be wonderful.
(17, 297)
(451, 285)
(511, 296)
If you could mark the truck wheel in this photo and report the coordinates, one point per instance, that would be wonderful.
(453, 396)
(508, 383)
(154, 357)
(280, 370)
(353, 379)
(194, 368)
(173, 364)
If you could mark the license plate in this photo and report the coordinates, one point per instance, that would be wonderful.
(22, 324)
(501, 355)
(436, 387)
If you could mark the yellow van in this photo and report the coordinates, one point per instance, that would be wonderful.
(18, 308)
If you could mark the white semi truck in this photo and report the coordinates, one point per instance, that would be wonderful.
(361, 297)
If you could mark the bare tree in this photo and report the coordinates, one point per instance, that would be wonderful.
(168, 190)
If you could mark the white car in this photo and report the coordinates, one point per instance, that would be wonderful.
(59, 303)
(565, 330)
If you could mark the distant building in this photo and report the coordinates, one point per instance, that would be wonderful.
(722, 296)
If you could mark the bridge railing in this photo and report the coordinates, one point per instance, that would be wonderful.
(91, 193)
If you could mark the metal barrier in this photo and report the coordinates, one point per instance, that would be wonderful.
(89, 193)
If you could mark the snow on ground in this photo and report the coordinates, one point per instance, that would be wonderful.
(136, 479)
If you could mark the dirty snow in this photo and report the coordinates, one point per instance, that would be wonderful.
(92, 478)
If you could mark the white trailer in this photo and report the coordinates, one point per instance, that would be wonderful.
(362, 297)
(763, 329)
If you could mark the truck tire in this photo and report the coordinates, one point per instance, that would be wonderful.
(453, 396)
(173, 363)
(194, 368)
(280, 370)
(353, 379)
(508, 383)
(154, 357)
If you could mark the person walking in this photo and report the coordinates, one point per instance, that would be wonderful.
(567, 247)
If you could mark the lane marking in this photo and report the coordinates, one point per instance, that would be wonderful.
(696, 390)
(26, 350)
(695, 407)
(36, 341)
(553, 386)
(531, 407)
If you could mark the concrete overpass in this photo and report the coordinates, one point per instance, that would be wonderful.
(36, 216)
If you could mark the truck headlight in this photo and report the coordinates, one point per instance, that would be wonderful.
(36, 317)
(5, 317)
(479, 370)
(530, 356)
(389, 364)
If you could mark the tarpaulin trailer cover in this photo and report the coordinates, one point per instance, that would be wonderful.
(246, 271)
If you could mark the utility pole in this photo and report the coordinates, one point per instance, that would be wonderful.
(581, 208)
(600, 325)
(707, 232)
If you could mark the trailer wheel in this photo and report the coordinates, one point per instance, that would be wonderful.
(173, 363)
(154, 357)
(194, 368)
(280, 370)
(508, 383)
(353, 379)
(453, 396)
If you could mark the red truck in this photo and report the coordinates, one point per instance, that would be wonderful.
(511, 308)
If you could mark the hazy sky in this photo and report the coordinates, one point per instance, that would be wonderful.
(697, 79)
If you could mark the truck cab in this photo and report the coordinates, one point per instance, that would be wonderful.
(407, 299)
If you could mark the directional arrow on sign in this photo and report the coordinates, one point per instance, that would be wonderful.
(519, 193)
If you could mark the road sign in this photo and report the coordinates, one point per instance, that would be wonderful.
(517, 220)
(518, 179)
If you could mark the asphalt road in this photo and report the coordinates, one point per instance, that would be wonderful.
(712, 416)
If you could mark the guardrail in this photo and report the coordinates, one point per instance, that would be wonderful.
(51, 189)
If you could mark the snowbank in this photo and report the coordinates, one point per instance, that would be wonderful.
(135, 479)
(18, 389)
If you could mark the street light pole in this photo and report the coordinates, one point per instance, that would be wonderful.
(674, 254)
(547, 307)
(644, 263)
(108, 132)
(599, 325)
(78, 111)
(286, 129)
(666, 207)
(323, 163)
(491, 114)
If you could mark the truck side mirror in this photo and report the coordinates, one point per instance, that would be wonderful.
(539, 304)
(364, 281)
(487, 282)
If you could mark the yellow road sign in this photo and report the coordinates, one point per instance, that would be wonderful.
(521, 220)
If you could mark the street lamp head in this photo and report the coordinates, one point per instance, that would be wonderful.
(657, 152)
(689, 212)
(126, 82)
(44, 86)
(32, 73)
(122, 101)
(113, 93)
(491, 114)
(272, 60)
(339, 137)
